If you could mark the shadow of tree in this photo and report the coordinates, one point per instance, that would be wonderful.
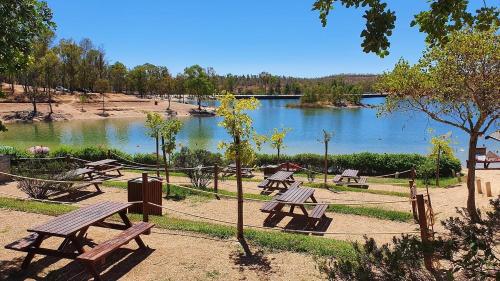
(257, 262)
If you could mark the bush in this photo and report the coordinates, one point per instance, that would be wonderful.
(43, 169)
(467, 251)
(197, 158)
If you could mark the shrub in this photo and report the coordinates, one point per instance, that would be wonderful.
(43, 169)
(197, 158)
(467, 250)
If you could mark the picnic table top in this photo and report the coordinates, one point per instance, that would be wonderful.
(100, 162)
(350, 173)
(297, 195)
(68, 224)
(82, 171)
(280, 176)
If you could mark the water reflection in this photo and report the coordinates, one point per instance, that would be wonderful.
(355, 130)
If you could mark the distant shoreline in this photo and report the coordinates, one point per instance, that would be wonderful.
(322, 105)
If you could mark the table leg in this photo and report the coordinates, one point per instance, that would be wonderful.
(313, 199)
(304, 210)
(77, 244)
(292, 207)
(29, 257)
(127, 222)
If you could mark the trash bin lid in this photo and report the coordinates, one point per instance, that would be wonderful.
(150, 179)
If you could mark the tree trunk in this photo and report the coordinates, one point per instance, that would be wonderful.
(278, 155)
(326, 162)
(471, 178)
(168, 108)
(165, 164)
(50, 103)
(157, 158)
(199, 103)
(239, 187)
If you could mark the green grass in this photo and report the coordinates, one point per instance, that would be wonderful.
(362, 190)
(372, 212)
(443, 182)
(179, 193)
(266, 239)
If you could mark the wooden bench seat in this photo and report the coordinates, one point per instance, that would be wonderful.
(98, 254)
(337, 178)
(295, 184)
(22, 244)
(318, 212)
(361, 183)
(110, 169)
(263, 184)
(269, 206)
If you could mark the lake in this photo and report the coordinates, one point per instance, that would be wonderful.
(355, 130)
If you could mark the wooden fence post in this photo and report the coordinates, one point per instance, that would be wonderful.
(413, 193)
(488, 189)
(145, 205)
(478, 186)
(216, 180)
(424, 232)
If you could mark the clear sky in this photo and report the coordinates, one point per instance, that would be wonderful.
(283, 37)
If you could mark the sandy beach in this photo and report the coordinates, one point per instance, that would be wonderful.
(69, 106)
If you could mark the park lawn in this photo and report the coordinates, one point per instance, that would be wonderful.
(267, 239)
(179, 193)
(443, 182)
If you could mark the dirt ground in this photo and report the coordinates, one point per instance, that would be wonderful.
(69, 107)
(173, 256)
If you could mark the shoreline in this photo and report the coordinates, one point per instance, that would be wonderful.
(325, 106)
(68, 107)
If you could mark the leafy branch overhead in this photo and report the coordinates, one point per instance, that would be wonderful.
(442, 17)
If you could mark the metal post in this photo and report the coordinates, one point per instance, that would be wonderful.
(424, 232)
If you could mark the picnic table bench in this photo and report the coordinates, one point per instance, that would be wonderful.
(104, 166)
(295, 197)
(351, 179)
(88, 178)
(73, 227)
(280, 178)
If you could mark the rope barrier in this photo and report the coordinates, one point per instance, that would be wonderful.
(43, 180)
(39, 158)
(306, 203)
(278, 228)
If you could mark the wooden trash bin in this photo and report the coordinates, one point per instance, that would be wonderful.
(154, 193)
(269, 170)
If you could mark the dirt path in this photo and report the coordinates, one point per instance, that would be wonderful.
(175, 256)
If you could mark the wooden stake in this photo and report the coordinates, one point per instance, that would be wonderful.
(424, 232)
(488, 189)
(478, 186)
(216, 180)
(145, 205)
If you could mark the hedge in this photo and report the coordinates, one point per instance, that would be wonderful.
(367, 163)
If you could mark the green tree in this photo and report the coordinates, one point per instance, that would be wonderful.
(457, 84)
(50, 67)
(117, 76)
(277, 140)
(437, 22)
(154, 123)
(102, 86)
(22, 22)
(168, 132)
(70, 55)
(238, 124)
(198, 83)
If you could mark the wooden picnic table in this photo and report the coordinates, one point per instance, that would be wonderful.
(295, 197)
(104, 166)
(349, 175)
(72, 227)
(280, 178)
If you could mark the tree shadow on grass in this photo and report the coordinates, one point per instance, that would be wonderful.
(117, 265)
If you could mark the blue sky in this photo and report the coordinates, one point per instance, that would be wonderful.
(283, 37)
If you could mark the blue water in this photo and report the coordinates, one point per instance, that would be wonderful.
(355, 130)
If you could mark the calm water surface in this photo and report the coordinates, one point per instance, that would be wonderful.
(355, 130)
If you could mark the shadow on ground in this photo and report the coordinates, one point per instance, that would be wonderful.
(117, 265)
